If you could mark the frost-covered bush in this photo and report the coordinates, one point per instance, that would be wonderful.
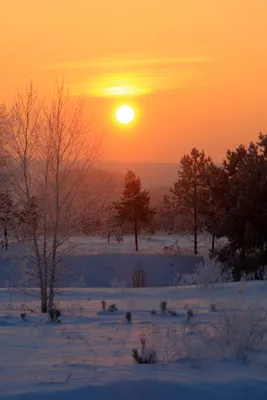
(188, 343)
(239, 334)
(208, 273)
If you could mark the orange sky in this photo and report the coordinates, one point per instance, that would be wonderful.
(197, 69)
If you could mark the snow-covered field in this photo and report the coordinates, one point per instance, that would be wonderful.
(147, 244)
(221, 353)
(217, 355)
(95, 263)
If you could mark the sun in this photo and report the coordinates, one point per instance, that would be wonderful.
(125, 114)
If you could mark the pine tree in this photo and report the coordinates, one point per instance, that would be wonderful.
(245, 219)
(216, 206)
(134, 206)
(189, 192)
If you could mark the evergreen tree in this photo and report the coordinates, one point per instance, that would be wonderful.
(216, 183)
(246, 209)
(190, 193)
(134, 206)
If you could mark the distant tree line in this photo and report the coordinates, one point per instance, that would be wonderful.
(228, 201)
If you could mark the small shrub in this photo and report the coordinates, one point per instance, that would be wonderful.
(23, 316)
(208, 273)
(128, 316)
(241, 333)
(213, 307)
(146, 355)
(112, 308)
(54, 314)
(153, 312)
(103, 304)
(190, 314)
(163, 307)
(139, 277)
(150, 357)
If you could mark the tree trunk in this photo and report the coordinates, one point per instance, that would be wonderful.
(213, 244)
(6, 237)
(195, 232)
(136, 236)
(43, 301)
(195, 218)
(109, 234)
(51, 294)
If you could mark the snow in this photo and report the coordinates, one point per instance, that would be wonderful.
(217, 355)
(96, 263)
(88, 355)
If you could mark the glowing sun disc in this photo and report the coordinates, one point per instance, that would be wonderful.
(125, 114)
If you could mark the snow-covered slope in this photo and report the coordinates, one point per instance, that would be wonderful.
(88, 355)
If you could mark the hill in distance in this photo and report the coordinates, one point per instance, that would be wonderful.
(153, 175)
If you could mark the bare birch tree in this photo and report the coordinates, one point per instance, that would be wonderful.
(50, 150)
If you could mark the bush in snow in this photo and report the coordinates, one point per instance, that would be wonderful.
(103, 304)
(112, 308)
(23, 316)
(128, 316)
(138, 277)
(54, 314)
(147, 355)
(163, 307)
(213, 307)
(190, 314)
(187, 343)
(208, 273)
(239, 334)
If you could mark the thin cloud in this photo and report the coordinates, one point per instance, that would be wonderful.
(108, 63)
(131, 75)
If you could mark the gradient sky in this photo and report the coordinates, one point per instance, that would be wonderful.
(196, 70)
